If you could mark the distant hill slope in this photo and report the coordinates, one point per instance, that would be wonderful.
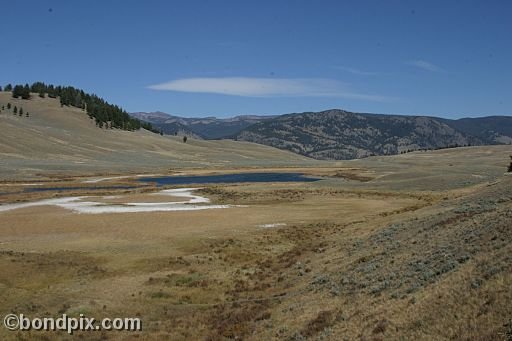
(338, 134)
(491, 129)
(55, 139)
(207, 127)
(166, 124)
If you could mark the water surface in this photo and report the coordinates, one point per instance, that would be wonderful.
(228, 178)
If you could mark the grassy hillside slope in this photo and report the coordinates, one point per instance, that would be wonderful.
(63, 140)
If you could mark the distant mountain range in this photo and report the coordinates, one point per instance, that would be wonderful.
(209, 128)
(338, 134)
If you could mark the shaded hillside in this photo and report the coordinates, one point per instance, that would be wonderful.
(207, 127)
(491, 129)
(338, 134)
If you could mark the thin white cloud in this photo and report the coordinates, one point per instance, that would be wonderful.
(267, 87)
(423, 64)
(355, 71)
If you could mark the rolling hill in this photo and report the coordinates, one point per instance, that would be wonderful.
(57, 140)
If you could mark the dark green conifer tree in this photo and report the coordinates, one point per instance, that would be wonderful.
(25, 94)
(17, 91)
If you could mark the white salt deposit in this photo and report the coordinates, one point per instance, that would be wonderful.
(271, 225)
(185, 193)
(94, 181)
(76, 204)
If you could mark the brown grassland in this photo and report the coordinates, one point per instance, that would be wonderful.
(409, 247)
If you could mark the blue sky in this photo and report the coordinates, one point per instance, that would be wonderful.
(222, 58)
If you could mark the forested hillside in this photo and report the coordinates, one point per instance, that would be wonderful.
(339, 134)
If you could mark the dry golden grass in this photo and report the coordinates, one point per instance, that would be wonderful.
(419, 251)
(216, 274)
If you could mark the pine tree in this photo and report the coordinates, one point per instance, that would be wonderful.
(185, 139)
(1, 88)
(38, 87)
(77, 100)
(17, 91)
(41, 94)
(21, 112)
(15, 110)
(8, 87)
(8, 106)
(51, 91)
(26, 92)
(27, 114)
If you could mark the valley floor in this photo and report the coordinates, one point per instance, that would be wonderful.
(416, 246)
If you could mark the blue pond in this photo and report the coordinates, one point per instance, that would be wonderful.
(228, 178)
